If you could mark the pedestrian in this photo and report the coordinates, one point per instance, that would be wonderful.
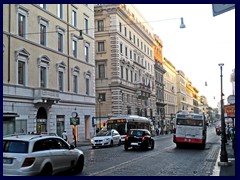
(64, 135)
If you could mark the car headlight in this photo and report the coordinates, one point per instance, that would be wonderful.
(106, 139)
(92, 141)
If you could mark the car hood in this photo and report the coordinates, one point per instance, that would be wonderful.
(101, 137)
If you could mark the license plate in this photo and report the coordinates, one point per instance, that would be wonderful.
(7, 160)
(134, 144)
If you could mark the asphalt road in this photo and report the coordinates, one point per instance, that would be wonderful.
(164, 160)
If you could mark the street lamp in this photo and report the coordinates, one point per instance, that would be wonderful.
(223, 153)
(99, 101)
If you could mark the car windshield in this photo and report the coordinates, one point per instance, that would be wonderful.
(136, 133)
(15, 146)
(104, 133)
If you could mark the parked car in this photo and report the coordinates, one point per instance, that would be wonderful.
(106, 138)
(139, 138)
(28, 155)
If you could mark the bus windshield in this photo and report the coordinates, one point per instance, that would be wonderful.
(120, 127)
(190, 122)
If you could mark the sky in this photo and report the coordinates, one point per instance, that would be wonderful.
(197, 49)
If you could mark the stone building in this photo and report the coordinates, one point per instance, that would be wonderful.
(124, 62)
(48, 68)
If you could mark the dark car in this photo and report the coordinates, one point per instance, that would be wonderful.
(139, 138)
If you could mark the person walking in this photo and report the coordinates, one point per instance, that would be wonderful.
(64, 135)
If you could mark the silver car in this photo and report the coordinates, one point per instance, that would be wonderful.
(106, 138)
(28, 155)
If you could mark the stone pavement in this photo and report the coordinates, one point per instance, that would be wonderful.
(225, 169)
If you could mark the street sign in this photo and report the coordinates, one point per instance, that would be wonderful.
(221, 8)
(229, 110)
(231, 99)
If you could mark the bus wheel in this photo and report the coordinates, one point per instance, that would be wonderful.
(202, 146)
(178, 145)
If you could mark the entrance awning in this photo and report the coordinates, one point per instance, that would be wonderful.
(10, 114)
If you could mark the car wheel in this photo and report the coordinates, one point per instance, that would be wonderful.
(111, 143)
(125, 147)
(152, 145)
(79, 166)
(46, 170)
(119, 143)
(94, 147)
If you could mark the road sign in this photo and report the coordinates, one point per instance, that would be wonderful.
(221, 8)
(231, 99)
(229, 110)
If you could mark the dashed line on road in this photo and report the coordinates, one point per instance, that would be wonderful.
(130, 161)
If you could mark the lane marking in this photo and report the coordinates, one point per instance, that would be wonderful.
(131, 161)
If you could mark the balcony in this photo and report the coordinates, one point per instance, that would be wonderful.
(46, 96)
(142, 90)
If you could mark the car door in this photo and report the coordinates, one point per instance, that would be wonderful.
(116, 137)
(67, 157)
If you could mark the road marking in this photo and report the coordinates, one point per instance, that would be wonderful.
(131, 161)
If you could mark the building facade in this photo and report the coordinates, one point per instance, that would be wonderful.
(124, 62)
(48, 68)
(170, 90)
(159, 82)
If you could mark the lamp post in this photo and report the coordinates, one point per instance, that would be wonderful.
(223, 153)
(99, 101)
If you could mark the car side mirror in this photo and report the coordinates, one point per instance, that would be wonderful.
(72, 146)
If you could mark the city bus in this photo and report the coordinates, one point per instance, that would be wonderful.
(190, 128)
(123, 123)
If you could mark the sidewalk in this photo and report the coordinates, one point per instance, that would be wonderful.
(229, 168)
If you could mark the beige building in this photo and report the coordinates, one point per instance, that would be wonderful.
(183, 98)
(48, 68)
(124, 62)
(170, 90)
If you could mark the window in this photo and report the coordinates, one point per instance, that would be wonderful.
(43, 71)
(125, 31)
(134, 39)
(21, 72)
(44, 6)
(87, 86)
(60, 11)
(100, 46)
(43, 25)
(86, 25)
(42, 34)
(130, 54)
(122, 72)
(21, 25)
(100, 25)
(22, 58)
(74, 48)
(43, 77)
(74, 18)
(60, 81)
(121, 50)
(60, 42)
(86, 52)
(131, 74)
(130, 35)
(101, 71)
(102, 96)
(126, 74)
(126, 51)
(75, 80)
(120, 27)
(75, 77)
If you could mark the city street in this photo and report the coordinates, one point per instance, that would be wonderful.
(164, 160)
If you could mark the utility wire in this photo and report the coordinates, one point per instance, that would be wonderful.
(105, 27)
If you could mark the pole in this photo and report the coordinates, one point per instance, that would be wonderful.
(99, 100)
(223, 153)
